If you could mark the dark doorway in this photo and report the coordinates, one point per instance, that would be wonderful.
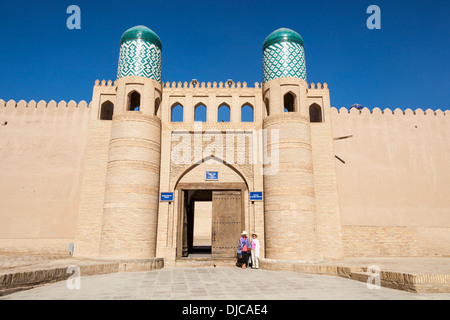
(195, 241)
(211, 223)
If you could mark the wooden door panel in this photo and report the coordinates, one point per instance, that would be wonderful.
(226, 223)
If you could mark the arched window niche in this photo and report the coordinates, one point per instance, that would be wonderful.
(315, 113)
(223, 113)
(157, 104)
(107, 110)
(290, 102)
(267, 104)
(247, 114)
(176, 114)
(200, 113)
(134, 101)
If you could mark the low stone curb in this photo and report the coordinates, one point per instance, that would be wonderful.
(415, 283)
(410, 282)
(11, 281)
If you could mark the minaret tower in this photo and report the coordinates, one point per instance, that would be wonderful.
(289, 200)
(130, 212)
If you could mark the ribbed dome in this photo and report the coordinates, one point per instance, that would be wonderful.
(143, 33)
(283, 35)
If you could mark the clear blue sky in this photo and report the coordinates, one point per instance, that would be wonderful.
(405, 64)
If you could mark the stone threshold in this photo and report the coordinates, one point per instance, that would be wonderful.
(205, 261)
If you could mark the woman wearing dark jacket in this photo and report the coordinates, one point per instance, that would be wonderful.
(243, 248)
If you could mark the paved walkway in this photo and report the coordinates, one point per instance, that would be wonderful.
(215, 284)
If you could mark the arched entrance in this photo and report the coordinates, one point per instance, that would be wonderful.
(211, 214)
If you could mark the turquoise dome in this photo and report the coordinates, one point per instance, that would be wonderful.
(282, 35)
(142, 33)
(283, 55)
(140, 54)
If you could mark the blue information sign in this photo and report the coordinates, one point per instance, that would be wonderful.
(166, 196)
(256, 196)
(212, 175)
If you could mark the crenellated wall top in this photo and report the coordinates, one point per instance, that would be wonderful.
(390, 112)
(22, 104)
(105, 83)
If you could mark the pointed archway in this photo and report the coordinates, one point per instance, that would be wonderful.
(227, 195)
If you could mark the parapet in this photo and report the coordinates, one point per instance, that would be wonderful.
(105, 83)
(105, 87)
(209, 85)
(226, 88)
(318, 86)
(11, 104)
(390, 112)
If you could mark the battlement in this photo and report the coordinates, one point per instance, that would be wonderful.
(105, 83)
(209, 85)
(11, 104)
(318, 86)
(387, 111)
(227, 85)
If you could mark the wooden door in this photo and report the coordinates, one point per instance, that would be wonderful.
(226, 223)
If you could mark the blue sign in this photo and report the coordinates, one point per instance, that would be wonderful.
(166, 196)
(212, 175)
(256, 196)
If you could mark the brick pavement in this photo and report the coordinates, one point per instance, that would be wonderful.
(215, 284)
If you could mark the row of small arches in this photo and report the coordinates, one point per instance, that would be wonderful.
(133, 104)
(200, 110)
(200, 113)
(290, 104)
(177, 112)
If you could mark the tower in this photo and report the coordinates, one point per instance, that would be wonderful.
(130, 211)
(290, 226)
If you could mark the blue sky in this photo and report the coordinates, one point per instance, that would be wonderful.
(405, 64)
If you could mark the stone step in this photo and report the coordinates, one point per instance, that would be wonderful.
(204, 262)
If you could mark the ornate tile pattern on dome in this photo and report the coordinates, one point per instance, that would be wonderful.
(139, 58)
(284, 60)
